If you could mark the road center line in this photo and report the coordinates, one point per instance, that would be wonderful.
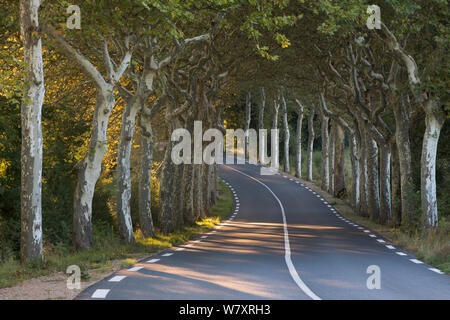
(287, 246)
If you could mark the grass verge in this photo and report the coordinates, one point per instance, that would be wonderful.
(108, 249)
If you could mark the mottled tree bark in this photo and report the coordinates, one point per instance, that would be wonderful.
(31, 152)
(145, 179)
(248, 118)
(373, 178)
(311, 137)
(298, 141)
(339, 162)
(331, 153)
(434, 122)
(396, 185)
(325, 174)
(286, 136)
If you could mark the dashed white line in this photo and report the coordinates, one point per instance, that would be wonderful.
(152, 260)
(401, 253)
(381, 241)
(168, 254)
(416, 261)
(135, 269)
(100, 293)
(436, 270)
(390, 247)
(179, 249)
(117, 278)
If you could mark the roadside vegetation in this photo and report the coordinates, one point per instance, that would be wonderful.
(109, 247)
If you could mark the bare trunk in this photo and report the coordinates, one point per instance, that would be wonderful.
(298, 142)
(373, 178)
(396, 186)
(198, 192)
(177, 199)
(311, 136)
(31, 154)
(325, 153)
(123, 170)
(404, 156)
(89, 171)
(339, 162)
(354, 158)
(287, 135)
(188, 193)
(385, 184)
(363, 189)
(434, 122)
(331, 154)
(145, 179)
(262, 107)
(248, 115)
(166, 218)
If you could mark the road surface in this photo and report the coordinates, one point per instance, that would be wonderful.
(282, 241)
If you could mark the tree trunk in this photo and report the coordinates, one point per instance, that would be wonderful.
(331, 155)
(311, 136)
(325, 153)
(339, 162)
(404, 156)
(198, 192)
(262, 144)
(385, 184)
(166, 219)
(434, 123)
(188, 193)
(89, 171)
(364, 198)
(132, 107)
(287, 135)
(354, 158)
(145, 179)
(396, 186)
(298, 142)
(31, 153)
(373, 178)
(248, 118)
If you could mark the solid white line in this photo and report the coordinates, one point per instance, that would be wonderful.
(416, 261)
(100, 293)
(152, 260)
(117, 278)
(287, 246)
(135, 269)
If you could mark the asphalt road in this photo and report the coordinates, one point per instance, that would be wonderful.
(282, 241)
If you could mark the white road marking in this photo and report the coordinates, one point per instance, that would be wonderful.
(390, 247)
(189, 245)
(135, 269)
(401, 253)
(436, 270)
(367, 231)
(416, 261)
(152, 260)
(117, 278)
(381, 241)
(179, 249)
(287, 246)
(197, 240)
(372, 235)
(100, 293)
(167, 254)
(204, 237)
